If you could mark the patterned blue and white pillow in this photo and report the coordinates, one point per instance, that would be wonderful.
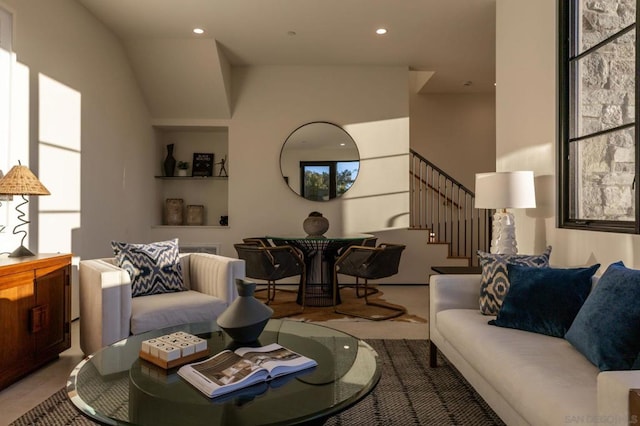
(154, 268)
(495, 280)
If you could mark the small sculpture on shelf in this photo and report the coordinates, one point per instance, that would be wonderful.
(223, 169)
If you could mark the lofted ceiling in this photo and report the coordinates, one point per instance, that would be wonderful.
(452, 43)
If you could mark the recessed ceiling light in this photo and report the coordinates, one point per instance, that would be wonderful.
(381, 31)
(198, 31)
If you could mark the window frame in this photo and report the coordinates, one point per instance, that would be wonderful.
(567, 26)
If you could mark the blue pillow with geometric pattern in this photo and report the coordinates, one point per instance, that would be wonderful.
(153, 268)
(494, 283)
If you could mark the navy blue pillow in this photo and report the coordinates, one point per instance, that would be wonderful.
(544, 300)
(494, 284)
(607, 328)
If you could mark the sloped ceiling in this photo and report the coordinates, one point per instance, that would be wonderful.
(182, 78)
(182, 75)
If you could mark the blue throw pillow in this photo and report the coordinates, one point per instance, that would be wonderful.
(494, 283)
(544, 300)
(154, 268)
(607, 328)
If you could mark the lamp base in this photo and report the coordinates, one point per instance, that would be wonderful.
(503, 233)
(21, 251)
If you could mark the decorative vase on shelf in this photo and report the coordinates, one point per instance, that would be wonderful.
(173, 211)
(315, 225)
(169, 162)
(246, 317)
(195, 215)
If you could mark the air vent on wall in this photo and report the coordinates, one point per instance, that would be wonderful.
(200, 248)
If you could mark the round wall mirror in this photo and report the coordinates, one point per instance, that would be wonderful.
(319, 161)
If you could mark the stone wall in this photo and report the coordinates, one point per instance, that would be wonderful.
(606, 163)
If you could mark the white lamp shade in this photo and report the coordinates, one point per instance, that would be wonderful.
(503, 190)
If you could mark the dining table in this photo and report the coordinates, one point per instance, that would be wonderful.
(320, 254)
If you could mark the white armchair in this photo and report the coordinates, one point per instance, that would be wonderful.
(108, 313)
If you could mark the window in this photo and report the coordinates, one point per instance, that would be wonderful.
(6, 61)
(323, 180)
(598, 137)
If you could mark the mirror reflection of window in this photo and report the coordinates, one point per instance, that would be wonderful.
(316, 181)
(319, 161)
(322, 181)
(347, 172)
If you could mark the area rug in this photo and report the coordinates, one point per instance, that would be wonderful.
(409, 393)
(284, 305)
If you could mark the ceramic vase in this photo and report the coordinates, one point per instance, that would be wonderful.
(173, 211)
(315, 225)
(169, 162)
(246, 317)
(195, 215)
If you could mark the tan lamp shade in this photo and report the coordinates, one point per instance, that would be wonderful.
(21, 181)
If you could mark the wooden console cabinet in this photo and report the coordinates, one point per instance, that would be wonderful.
(35, 313)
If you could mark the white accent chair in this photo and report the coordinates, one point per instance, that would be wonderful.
(108, 313)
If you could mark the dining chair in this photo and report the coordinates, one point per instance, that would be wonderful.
(261, 241)
(271, 264)
(367, 242)
(370, 241)
(369, 263)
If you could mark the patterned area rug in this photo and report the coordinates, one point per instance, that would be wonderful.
(284, 305)
(409, 393)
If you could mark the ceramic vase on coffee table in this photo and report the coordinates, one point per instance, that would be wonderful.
(246, 317)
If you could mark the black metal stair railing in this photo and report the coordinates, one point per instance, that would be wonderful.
(445, 208)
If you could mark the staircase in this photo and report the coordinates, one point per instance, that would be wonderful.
(445, 209)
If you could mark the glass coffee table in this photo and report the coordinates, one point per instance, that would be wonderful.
(114, 386)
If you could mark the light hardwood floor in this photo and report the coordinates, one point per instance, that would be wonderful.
(20, 397)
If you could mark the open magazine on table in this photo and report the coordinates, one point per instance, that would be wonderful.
(231, 370)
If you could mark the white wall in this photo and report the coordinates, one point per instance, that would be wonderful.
(62, 41)
(464, 124)
(526, 117)
(269, 103)
(370, 103)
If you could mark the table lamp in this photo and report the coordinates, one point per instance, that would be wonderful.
(21, 181)
(502, 191)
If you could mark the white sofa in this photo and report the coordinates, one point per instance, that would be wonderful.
(527, 378)
(108, 313)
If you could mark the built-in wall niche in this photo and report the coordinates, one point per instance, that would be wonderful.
(208, 191)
